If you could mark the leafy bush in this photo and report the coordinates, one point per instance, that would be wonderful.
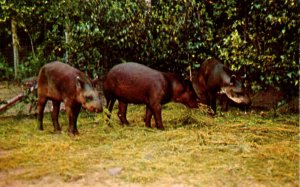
(6, 71)
(31, 65)
(253, 37)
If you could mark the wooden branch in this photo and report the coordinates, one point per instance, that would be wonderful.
(17, 98)
(11, 102)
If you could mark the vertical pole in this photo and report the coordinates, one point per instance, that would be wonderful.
(67, 43)
(67, 30)
(15, 46)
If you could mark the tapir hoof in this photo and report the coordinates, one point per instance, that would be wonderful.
(73, 132)
(126, 123)
(161, 128)
(57, 132)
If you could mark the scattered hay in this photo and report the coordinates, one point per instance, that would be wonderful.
(195, 149)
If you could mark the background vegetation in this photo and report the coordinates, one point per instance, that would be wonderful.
(259, 38)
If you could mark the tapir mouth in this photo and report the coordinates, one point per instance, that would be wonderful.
(96, 108)
(240, 98)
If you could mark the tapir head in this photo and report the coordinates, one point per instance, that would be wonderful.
(235, 91)
(183, 92)
(87, 95)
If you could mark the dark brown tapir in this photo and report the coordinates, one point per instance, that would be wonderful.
(213, 77)
(60, 82)
(135, 83)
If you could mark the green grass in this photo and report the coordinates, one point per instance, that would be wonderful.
(233, 149)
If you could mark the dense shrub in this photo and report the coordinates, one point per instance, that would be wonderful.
(259, 38)
(6, 72)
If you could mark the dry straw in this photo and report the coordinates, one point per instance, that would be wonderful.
(195, 149)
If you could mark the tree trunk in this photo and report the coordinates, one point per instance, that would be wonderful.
(15, 46)
(67, 37)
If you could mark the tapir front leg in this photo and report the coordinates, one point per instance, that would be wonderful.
(73, 112)
(148, 117)
(156, 110)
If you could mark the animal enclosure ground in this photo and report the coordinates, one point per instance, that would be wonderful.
(233, 149)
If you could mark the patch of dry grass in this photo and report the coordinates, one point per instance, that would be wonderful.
(195, 149)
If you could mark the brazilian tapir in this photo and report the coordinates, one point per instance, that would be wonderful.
(136, 83)
(61, 82)
(214, 77)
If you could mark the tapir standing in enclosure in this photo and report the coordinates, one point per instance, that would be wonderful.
(135, 83)
(60, 82)
(214, 77)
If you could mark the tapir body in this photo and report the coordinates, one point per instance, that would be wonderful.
(214, 77)
(61, 82)
(138, 84)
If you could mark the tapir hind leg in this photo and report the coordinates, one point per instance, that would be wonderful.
(41, 106)
(54, 116)
(122, 113)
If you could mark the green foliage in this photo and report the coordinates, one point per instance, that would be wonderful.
(32, 64)
(6, 71)
(255, 37)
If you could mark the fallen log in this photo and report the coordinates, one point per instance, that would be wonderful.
(11, 102)
(31, 86)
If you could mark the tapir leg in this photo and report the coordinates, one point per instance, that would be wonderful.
(148, 117)
(122, 112)
(224, 102)
(110, 104)
(76, 111)
(54, 115)
(41, 106)
(213, 102)
(156, 110)
(72, 112)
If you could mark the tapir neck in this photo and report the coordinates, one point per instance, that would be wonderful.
(225, 79)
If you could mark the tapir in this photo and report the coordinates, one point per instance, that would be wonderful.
(61, 82)
(213, 77)
(138, 84)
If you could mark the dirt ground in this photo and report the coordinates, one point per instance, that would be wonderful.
(106, 178)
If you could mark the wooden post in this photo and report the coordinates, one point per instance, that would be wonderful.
(15, 46)
(67, 31)
(67, 37)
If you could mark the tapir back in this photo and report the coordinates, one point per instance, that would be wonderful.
(134, 83)
(61, 82)
(58, 80)
(214, 77)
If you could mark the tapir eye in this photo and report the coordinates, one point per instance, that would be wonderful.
(88, 98)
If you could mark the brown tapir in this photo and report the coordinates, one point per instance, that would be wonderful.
(214, 77)
(60, 82)
(135, 83)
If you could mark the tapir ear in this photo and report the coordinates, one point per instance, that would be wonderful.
(232, 80)
(244, 76)
(95, 81)
(79, 83)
